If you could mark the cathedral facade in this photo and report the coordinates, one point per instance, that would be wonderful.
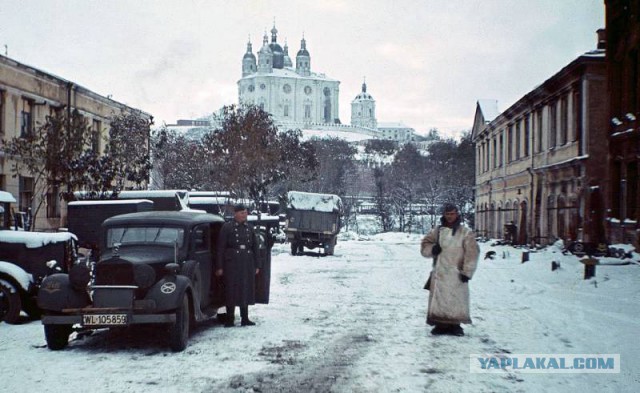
(294, 95)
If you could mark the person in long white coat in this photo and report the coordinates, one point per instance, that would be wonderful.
(455, 252)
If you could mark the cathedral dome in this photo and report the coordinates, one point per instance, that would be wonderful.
(276, 49)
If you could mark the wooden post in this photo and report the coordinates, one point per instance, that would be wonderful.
(589, 267)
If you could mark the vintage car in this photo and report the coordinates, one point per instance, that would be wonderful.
(154, 268)
(26, 258)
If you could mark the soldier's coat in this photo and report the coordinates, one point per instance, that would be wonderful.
(237, 255)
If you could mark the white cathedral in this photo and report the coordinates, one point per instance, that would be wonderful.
(296, 97)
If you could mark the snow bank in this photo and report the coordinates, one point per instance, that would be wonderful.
(35, 239)
(319, 202)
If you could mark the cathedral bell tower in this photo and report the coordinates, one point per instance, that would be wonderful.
(265, 56)
(249, 61)
(303, 60)
(363, 109)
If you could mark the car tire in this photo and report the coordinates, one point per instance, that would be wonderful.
(179, 331)
(57, 336)
(10, 303)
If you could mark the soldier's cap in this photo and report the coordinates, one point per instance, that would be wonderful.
(238, 207)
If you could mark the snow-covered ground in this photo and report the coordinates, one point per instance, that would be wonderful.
(355, 322)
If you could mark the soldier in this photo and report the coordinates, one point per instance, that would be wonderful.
(238, 263)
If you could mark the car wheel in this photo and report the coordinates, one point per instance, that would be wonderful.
(10, 303)
(179, 331)
(57, 336)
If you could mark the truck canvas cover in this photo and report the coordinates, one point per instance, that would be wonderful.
(327, 203)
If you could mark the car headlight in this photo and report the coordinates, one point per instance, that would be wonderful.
(144, 275)
(79, 276)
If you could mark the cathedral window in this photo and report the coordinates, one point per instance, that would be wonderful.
(307, 111)
(286, 110)
(263, 86)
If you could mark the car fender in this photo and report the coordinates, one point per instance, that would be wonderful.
(17, 275)
(167, 292)
(56, 294)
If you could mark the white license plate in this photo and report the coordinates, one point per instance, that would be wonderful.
(104, 319)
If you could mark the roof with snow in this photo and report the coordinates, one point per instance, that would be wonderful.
(6, 197)
(328, 203)
(35, 239)
(489, 109)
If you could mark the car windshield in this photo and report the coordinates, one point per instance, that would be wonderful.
(145, 235)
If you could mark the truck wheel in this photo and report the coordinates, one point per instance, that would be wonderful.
(57, 336)
(294, 248)
(10, 303)
(300, 249)
(330, 249)
(179, 331)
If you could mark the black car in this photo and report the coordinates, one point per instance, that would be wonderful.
(26, 258)
(154, 268)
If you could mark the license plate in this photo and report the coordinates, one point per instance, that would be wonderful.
(104, 319)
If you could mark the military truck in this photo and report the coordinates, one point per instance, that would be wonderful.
(312, 221)
(155, 268)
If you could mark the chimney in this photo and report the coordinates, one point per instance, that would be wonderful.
(602, 38)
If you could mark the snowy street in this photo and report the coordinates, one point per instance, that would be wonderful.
(355, 322)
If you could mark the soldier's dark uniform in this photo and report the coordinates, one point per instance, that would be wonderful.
(238, 257)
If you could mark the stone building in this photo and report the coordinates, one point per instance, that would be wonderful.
(27, 96)
(540, 163)
(622, 198)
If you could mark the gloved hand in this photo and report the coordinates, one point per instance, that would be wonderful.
(436, 250)
(463, 278)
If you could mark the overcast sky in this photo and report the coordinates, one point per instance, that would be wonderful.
(426, 62)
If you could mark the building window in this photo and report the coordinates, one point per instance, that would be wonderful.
(96, 128)
(53, 203)
(307, 111)
(286, 110)
(510, 144)
(564, 120)
(526, 136)
(25, 191)
(518, 138)
(501, 151)
(553, 115)
(495, 152)
(538, 127)
(26, 118)
(577, 115)
(1, 112)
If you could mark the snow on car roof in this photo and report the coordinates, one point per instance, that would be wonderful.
(35, 239)
(318, 202)
(6, 197)
(109, 202)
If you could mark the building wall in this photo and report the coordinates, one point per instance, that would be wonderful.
(27, 89)
(286, 97)
(537, 162)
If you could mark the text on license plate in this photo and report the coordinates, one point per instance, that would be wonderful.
(105, 319)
